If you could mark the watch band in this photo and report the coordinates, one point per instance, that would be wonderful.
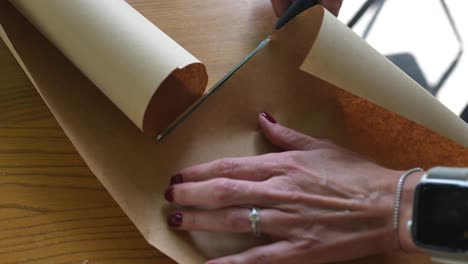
(456, 175)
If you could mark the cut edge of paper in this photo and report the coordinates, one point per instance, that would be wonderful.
(6, 40)
(356, 67)
(173, 97)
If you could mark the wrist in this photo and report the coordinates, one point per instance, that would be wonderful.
(406, 212)
(392, 240)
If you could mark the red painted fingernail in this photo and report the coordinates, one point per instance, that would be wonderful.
(169, 194)
(175, 220)
(268, 117)
(176, 179)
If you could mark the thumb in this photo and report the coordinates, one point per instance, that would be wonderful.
(332, 5)
(280, 6)
(287, 138)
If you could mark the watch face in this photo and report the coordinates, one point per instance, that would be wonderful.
(440, 217)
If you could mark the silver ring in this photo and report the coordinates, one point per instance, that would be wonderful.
(254, 217)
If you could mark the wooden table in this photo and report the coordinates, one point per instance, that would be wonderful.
(52, 208)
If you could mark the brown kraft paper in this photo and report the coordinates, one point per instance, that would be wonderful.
(135, 168)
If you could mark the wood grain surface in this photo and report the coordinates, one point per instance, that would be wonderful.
(52, 208)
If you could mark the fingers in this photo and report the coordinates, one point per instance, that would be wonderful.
(256, 168)
(220, 192)
(279, 252)
(235, 220)
(280, 6)
(287, 138)
(241, 181)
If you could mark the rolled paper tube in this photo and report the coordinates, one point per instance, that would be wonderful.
(342, 58)
(145, 73)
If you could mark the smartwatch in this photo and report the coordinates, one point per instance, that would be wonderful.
(439, 225)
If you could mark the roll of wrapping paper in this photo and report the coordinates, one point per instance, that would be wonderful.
(145, 73)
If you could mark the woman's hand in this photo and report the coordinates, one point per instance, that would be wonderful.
(280, 6)
(318, 202)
